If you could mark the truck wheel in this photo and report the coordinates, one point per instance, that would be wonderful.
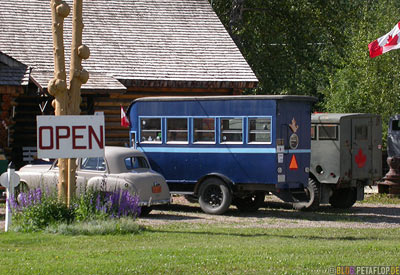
(250, 203)
(343, 198)
(312, 198)
(214, 196)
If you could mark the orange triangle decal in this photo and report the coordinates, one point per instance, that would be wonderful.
(293, 163)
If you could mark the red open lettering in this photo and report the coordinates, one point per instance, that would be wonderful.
(75, 136)
(41, 129)
(59, 136)
(100, 141)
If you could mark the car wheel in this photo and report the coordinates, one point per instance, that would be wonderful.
(215, 196)
(312, 198)
(343, 198)
(145, 210)
(250, 203)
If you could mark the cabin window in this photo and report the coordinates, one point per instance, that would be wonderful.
(395, 125)
(177, 130)
(313, 132)
(136, 163)
(231, 130)
(150, 130)
(361, 132)
(95, 164)
(327, 132)
(204, 130)
(259, 130)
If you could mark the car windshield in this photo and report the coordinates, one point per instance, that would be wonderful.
(132, 163)
(96, 164)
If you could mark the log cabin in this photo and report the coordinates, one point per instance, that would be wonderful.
(139, 48)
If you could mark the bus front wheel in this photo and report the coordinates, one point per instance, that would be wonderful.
(215, 196)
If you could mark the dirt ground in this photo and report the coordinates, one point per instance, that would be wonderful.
(274, 214)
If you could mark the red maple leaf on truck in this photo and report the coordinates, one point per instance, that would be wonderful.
(360, 158)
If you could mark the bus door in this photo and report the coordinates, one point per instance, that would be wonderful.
(361, 148)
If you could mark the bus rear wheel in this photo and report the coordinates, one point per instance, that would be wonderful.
(215, 197)
(343, 198)
(250, 203)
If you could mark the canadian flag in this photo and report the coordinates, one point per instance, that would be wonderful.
(124, 119)
(388, 42)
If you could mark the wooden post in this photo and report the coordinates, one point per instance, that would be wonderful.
(78, 76)
(57, 87)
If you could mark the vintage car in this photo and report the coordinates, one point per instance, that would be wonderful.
(121, 168)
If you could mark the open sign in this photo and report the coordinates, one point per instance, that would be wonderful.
(70, 136)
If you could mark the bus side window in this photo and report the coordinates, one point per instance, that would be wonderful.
(204, 130)
(259, 130)
(177, 130)
(231, 130)
(150, 130)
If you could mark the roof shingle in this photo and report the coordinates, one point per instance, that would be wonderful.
(135, 41)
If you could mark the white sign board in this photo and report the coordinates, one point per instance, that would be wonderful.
(70, 136)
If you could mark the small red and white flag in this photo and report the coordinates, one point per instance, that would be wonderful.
(388, 42)
(124, 119)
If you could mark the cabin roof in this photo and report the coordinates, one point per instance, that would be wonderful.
(13, 73)
(156, 43)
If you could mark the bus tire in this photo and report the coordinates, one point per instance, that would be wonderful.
(250, 203)
(313, 197)
(343, 198)
(215, 196)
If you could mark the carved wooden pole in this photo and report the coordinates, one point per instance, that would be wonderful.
(57, 87)
(78, 76)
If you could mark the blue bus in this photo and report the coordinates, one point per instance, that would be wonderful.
(226, 150)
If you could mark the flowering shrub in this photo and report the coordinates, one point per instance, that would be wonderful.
(118, 204)
(35, 210)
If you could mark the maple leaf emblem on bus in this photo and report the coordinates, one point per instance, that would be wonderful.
(293, 126)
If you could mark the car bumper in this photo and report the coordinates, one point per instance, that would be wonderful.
(156, 202)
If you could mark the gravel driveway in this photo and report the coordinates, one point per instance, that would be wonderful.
(274, 214)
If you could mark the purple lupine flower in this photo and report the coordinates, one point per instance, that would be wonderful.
(98, 203)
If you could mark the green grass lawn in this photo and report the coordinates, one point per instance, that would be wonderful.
(200, 249)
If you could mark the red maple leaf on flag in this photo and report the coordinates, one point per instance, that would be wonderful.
(360, 159)
(392, 40)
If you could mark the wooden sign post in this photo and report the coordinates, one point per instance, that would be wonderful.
(67, 101)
